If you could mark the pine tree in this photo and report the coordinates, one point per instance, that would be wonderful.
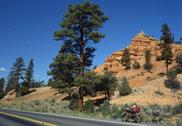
(10, 83)
(17, 73)
(2, 84)
(126, 61)
(148, 65)
(166, 45)
(28, 77)
(64, 69)
(79, 28)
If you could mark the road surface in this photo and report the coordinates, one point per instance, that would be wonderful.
(20, 118)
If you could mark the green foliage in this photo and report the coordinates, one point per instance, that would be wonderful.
(88, 106)
(126, 60)
(63, 70)
(16, 75)
(73, 105)
(136, 65)
(179, 122)
(179, 63)
(109, 83)
(37, 84)
(148, 66)
(177, 108)
(171, 75)
(116, 112)
(92, 81)
(28, 77)
(2, 85)
(125, 88)
(80, 27)
(105, 108)
(178, 69)
(166, 44)
(172, 81)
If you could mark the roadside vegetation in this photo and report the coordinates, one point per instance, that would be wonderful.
(150, 114)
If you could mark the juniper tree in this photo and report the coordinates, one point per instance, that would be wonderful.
(125, 88)
(166, 45)
(148, 65)
(109, 83)
(126, 61)
(78, 29)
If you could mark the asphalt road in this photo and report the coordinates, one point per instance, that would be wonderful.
(52, 120)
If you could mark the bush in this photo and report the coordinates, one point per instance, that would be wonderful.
(171, 75)
(179, 59)
(159, 58)
(116, 112)
(74, 102)
(178, 69)
(172, 82)
(148, 66)
(88, 106)
(179, 122)
(136, 65)
(177, 108)
(124, 88)
(105, 108)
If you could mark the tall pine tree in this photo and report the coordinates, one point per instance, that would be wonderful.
(2, 85)
(79, 28)
(28, 80)
(166, 45)
(17, 73)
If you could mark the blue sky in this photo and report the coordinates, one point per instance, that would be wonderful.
(27, 26)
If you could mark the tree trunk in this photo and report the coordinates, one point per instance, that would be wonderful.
(81, 67)
(166, 66)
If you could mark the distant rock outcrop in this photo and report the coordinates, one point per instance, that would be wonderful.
(139, 44)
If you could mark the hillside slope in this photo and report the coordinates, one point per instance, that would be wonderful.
(152, 92)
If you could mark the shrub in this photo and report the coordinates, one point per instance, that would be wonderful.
(159, 93)
(172, 82)
(159, 58)
(136, 65)
(88, 106)
(179, 59)
(148, 66)
(116, 112)
(171, 75)
(179, 122)
(105, 108)
(178, 69)
(125, 89)
(74, 103)
(177, 108)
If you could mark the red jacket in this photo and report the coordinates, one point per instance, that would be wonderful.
(136, 109)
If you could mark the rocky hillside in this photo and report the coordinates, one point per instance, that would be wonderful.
(139, 44)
